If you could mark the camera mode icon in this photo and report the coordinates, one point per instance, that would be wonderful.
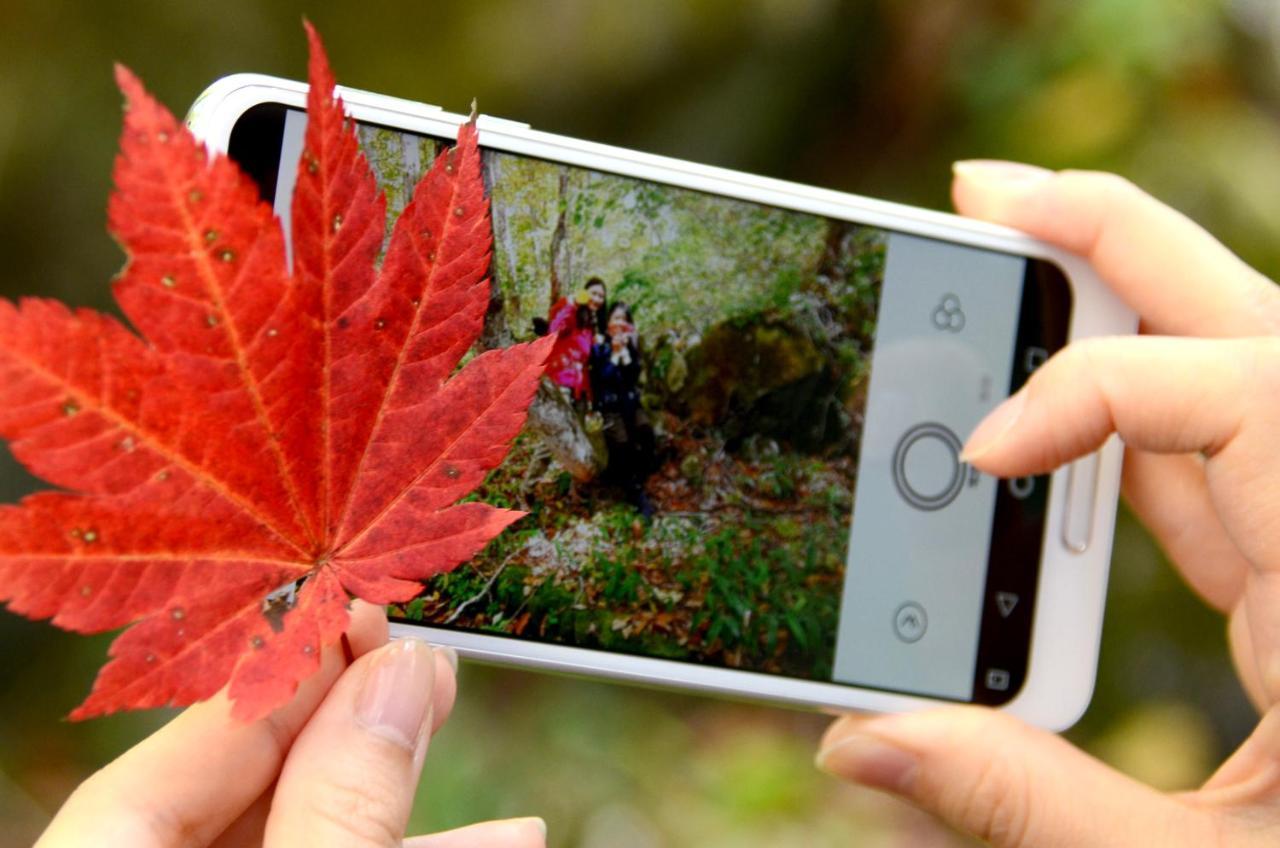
(947, 315)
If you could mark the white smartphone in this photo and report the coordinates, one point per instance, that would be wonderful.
(777, 412)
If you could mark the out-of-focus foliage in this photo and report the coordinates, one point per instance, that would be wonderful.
(876, 97)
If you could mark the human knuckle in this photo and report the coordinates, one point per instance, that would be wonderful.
(994, 805)
(1096, 367)
(1107, 185)
(970, 723)
(993, 802)
(101, 797)
(1068, 366)
(279, 736)
(360, 806)
(1085, 354)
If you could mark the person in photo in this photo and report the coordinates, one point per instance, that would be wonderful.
(615, 378)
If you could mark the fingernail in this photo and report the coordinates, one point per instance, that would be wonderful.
(449, 654)
(395, 696)
(1000, 175)
(870, 761)
(992, 429)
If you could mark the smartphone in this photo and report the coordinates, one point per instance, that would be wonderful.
(774, 383)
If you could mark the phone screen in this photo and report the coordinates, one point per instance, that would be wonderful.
(746, 449)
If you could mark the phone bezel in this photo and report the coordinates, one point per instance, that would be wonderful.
(1067, 625)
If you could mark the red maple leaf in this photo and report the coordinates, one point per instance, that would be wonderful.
(268, 427)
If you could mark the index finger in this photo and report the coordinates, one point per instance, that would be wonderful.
(1179, 279)
(190, 780)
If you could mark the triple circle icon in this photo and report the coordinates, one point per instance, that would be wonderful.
(927, 470)
(948, 315)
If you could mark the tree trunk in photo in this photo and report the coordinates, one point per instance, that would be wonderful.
(556, 258)
(553, 417)
(496, 333)
(830, 265)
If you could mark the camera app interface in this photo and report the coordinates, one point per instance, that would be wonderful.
(745, 450)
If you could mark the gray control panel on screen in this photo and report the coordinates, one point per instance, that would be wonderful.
(913, 590)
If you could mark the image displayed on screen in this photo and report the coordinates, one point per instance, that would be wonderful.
(710, 415)
(688, 465)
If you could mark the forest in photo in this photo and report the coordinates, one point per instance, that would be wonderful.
(689, 461)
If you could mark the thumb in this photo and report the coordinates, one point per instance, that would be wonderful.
(994, 777)
(351, 776)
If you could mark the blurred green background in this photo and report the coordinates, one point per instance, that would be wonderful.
(875, 97)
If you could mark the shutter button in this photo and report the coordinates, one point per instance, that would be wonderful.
(926, 466)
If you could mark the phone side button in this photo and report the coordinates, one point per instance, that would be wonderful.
(1082, 495)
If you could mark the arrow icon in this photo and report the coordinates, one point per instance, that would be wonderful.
(1005, 602)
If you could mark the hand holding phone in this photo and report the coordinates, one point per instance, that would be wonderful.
(1207, 386)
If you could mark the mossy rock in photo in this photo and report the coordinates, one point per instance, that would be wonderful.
(766, 376)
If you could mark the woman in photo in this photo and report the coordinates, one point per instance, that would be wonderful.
(578, 325)
(615, 381)
(596, 295)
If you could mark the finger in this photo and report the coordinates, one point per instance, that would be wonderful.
(1002, 781)
(369, 630)
(352, 774)
(1260, 605)
(1162, 395)
(251, 826)
(158, 793)
(446, 689)
(1179, 278)
(1250, 774)
(1167, 395)
(510, 833)
(1245, 657)
(1170, 495)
